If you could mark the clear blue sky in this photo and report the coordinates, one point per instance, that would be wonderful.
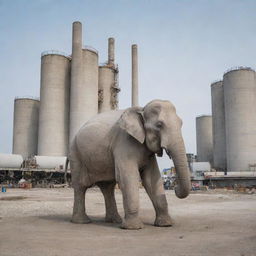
(184, 45)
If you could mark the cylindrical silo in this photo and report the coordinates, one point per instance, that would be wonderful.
(77, 85)
(89, 106)
(84, 82)
(108, 81)
(240, 115)
(204, 139)
(53, 136)
(135, 96)
(218, 126)
(106, 87)
(25, 126)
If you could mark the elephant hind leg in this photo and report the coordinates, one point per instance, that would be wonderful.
(108, 191)
(79, 216)
(78, 181)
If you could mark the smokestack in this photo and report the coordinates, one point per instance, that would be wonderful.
(111, 51)
(76, 77)
(135, 100)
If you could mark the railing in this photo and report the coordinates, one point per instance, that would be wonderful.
(90, 48)
(204, 116)
(54, 52)
(238, 68)
(27, 97)
(215, 81)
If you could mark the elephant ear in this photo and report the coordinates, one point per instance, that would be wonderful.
(132, 122)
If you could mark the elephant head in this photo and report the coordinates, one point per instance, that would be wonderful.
(158, 127)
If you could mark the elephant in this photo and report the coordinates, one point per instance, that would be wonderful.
(120, 146)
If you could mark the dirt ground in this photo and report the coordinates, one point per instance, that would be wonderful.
(37, 222)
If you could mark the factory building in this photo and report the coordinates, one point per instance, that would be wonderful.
(73, 88)
(233, 122)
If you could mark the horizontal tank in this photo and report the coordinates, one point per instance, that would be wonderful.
(218, 126)
(240, 115)
(10, 161)
(53, 135)
(50, 162)
(25, 126)
(204, 141)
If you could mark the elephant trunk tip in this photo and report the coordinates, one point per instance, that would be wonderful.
(181, 192)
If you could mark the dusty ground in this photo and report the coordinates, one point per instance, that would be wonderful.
(37, 222)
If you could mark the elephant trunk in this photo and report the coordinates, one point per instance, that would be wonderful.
(178, 154)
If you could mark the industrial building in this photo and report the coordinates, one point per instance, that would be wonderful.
(232, 136)
(73, 88)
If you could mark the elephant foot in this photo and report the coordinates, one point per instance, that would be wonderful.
(132, 223)
(115, 218)
(163, 221)
(84, 219)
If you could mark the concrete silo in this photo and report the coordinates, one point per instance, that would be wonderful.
(240, 115)
(108, 82)
(25, 126)
(84, 82)
(53, 136)
(218, 126)
(204, 139)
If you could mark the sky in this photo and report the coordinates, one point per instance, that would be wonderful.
(183, 46)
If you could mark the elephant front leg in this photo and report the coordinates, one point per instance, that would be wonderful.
(128, 179)
(79, 215)
(152, 182)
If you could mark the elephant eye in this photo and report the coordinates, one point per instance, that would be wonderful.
(159, 124)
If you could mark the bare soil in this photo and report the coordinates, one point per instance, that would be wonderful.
(37, 222)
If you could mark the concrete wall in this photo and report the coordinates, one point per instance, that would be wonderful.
(204, 141)
(240, 101)
(53, 134)
(218, 126)
(25, 127)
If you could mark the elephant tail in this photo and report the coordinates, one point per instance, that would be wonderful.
(66, 171)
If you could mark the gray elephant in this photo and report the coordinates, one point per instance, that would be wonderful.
(120, 146)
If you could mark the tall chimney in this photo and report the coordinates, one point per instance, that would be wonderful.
(111, 51)
(76, 78)
(135, 100)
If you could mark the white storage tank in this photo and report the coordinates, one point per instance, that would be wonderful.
(218, 126)
(10, 161)
(240, 115)
(51, 162)
(204, 138)
(53, 135)
(25, 126)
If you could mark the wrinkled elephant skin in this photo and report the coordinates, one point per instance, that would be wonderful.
(121, 146)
